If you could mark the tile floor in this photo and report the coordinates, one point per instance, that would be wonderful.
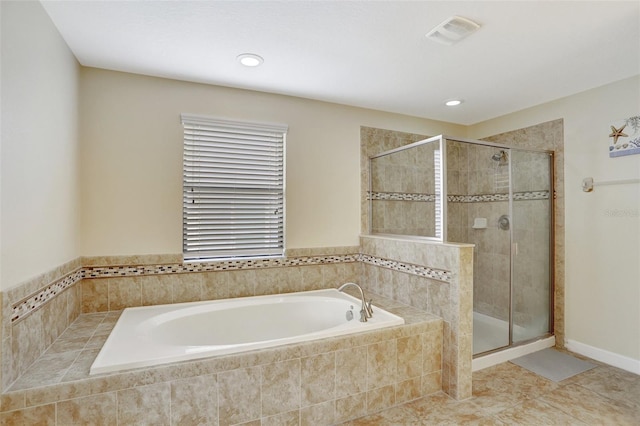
(507, 394)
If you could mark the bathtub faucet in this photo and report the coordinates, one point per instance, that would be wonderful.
(366, 311)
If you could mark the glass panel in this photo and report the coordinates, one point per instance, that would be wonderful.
(478, 196)
(531, 178)
(404, 195)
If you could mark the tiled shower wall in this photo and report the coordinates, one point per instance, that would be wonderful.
(375, 141)
(547, 136)
(478, 187)
(403, 192)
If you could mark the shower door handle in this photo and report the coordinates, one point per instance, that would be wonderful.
(514, 249)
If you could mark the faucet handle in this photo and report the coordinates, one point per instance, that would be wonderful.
(369, 308)
(364, 315)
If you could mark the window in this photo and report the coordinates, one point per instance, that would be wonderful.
(233, 189)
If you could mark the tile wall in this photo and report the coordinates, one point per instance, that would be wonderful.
(547, 136)
(313, 383)
(478, 187)
(35, 313)
(449, 297)
(375, 141)
(402, 195)
(53, 301)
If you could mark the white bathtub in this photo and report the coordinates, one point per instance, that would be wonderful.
(153, 335)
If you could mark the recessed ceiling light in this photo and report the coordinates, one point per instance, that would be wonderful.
(250, 59)
(453, 102)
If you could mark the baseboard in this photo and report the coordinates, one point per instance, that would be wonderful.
(613, 359)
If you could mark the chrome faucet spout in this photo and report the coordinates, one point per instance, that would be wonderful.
(366, 311)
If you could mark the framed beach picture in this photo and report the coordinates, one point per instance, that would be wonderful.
(625, 137)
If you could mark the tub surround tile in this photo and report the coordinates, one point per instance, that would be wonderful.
(431, 383)
(319, 414)
(215, 286)
(566, 403)
(145, 405)
(318, 379)
(351, 407)
(280, 387)
(311, 278)
(381, 364)
(12, 401)
(381, 398)
(81, 365)
(195, 401)
(306, 397)
(48, 369)
(281, 373)
(409, 362)
(351, 371)
(443, 298)
(187, 288)
(40, 415)
(124, 293)
(95, 296)
(292, 418)
(147, 259)
(281, 276)
(156, 289)
(239, 396)
(95, 409)
(409, 390)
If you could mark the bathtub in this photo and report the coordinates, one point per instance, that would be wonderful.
(153, 335)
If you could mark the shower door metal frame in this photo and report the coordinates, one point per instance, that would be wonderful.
(552, 196)
(444, 220)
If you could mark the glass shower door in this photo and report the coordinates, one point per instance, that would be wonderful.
(531, 177)
(477, 202)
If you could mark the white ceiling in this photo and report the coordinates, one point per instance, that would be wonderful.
(371, 54)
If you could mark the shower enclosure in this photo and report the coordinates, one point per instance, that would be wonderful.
(496, 197)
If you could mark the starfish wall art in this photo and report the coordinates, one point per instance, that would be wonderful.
(625, 137)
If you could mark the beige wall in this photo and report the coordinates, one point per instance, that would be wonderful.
(131, 159)
(602, 228)
(39, 169)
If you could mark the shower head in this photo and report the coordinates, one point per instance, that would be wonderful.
(499, 156)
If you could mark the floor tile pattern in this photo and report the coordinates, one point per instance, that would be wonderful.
(507, 394)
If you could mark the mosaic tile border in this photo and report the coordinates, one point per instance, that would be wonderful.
(36, 300)
(517, 196)
(422, 271)
(400, 196)
(232, 265)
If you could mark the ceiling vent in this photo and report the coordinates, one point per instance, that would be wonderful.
(452, 30)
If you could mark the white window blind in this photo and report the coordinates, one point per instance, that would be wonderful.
(437, 167)
(233, 189)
